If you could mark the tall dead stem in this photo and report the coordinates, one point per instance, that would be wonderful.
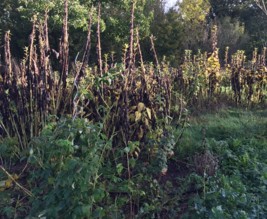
(152, 38)
(64, 61)
(81, 71)
(140, 52)
(45, 82)
(99, 52)
(131, 41)
(127, 87)
(127, 83)
(8, 65)
(30, 75)
(65, 46)
(86, 53)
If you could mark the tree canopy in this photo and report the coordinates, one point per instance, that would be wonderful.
(241, 24)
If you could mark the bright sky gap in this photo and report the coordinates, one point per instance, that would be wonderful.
(170, 3)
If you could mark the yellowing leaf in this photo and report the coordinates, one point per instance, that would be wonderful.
(132, 117)
(138, 116)
(16, 177)
(138, 149)
(154, 114)
(146, 122)
(5, 184)
(140, 106)
(148, 111)
(8, 183)
(138, 84)
(136, 154)
(133, 108)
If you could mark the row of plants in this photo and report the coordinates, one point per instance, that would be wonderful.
(81, 141)
(207, 76)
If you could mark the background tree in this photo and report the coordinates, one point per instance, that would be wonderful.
(194, 21)
(16, 16)
(231, 33)
(168, 31)
(241, 24)
(244, 13)
(10, 19)
(116, 16)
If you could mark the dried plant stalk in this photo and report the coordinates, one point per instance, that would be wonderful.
(8, 64)
(65, 47)
(99, 50)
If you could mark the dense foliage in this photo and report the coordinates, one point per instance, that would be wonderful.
(236, 141)
(96, 116)
(242, 25)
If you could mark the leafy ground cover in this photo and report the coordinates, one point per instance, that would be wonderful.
(101, 139)
(218, 170)
(226, 153)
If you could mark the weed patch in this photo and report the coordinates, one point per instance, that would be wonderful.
(237, 190)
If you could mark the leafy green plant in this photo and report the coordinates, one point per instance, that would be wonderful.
(66, 161)
(237, 188)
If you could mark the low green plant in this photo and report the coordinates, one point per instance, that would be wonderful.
(237, 189)
(66, 160)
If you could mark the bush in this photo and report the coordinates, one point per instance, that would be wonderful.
(66, 162)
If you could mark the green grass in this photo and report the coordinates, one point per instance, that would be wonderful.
(238, 140)
(223, 125)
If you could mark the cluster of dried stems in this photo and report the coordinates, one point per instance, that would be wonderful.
(34, 89)
(129, 104)
(204, 77)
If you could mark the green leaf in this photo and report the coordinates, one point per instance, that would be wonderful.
(127, 150)
(98, 195)
(119, 168)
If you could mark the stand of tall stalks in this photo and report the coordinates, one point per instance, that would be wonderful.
(202, 79)
(129, 100)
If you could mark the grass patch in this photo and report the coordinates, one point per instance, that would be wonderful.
(237, 139)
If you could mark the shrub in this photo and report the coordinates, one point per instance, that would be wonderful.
(66, 161)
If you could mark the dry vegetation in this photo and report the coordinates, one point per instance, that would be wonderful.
(139, 109)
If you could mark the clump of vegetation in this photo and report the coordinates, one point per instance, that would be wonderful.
(113, 140)
(236, 188)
